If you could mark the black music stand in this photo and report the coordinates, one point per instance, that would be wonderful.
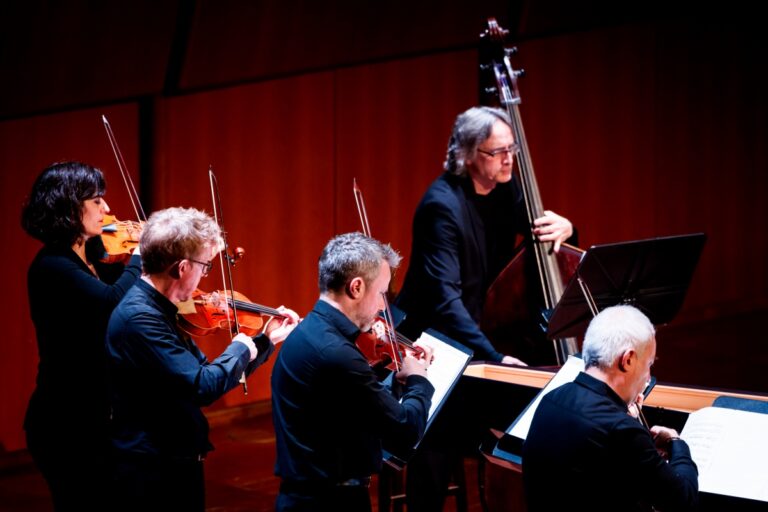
(653, 275)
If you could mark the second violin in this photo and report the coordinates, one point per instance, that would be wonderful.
(379, 350)
(210, 313)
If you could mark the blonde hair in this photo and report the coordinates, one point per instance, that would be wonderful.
(175, 234)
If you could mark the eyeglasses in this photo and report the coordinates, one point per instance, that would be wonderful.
(514, 148)
(207, 266)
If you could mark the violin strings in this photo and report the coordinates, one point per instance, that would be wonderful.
(255, 308)
(217, 217)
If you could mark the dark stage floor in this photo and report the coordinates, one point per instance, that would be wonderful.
(728, 352)
(238, 473)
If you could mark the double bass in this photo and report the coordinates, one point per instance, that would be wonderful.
(519, 301)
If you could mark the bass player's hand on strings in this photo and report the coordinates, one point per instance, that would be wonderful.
(551, 227)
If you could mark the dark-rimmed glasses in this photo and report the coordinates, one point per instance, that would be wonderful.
(514, 148)
(207, 266)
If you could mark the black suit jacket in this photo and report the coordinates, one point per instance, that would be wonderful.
(451, 266)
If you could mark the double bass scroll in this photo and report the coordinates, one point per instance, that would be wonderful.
(519, 301)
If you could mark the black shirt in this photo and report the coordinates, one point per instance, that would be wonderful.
(584, 452)
(70, 308)
(161, 378)
(330, 411)
(461, 241)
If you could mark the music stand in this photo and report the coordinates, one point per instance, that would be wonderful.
(652, 275)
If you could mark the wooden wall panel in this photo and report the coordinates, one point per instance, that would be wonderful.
(635, 132)
(233, 41)
(394, 120)
(271, 147)
(585, 106)
(712, 119)
(26, 147)
(59, 55)
(659, 130)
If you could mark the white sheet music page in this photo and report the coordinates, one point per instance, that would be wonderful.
(449, 363)
(730, 449)
(567, 373)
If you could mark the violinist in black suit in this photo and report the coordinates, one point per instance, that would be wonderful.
(330, 411)
(160, 379)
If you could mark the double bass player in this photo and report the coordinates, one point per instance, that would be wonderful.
(464, 232)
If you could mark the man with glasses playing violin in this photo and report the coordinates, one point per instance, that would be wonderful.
(464, 234)
(160, 378)
(585, 450)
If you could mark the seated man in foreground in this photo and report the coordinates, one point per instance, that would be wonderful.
(586, 451)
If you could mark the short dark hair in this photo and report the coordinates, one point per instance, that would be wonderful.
(53, 212)
(352, 255)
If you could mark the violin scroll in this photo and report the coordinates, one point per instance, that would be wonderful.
(236, 256)
(494, 31)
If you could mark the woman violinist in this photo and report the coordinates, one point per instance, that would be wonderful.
(71, 296)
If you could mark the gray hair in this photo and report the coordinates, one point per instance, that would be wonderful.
(352, 255)
(175, 234)
(471, 128)
(613, 331)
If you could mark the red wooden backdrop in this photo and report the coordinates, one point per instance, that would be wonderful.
(635, 132)
(26, 147)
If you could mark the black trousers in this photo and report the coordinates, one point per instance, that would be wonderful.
(317, 498)
(76, 471)
(144, 482)
(427, 478)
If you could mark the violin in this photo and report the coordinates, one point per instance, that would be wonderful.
(382, 345)
(209, 313)
(377, 348)
(120, 238)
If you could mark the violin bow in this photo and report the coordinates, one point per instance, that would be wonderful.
(132, 194)
(225, 256)
(388, 318)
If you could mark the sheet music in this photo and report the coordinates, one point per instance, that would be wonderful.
(567, 373)
(443, 373)
(730, 449)
(449, 363)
